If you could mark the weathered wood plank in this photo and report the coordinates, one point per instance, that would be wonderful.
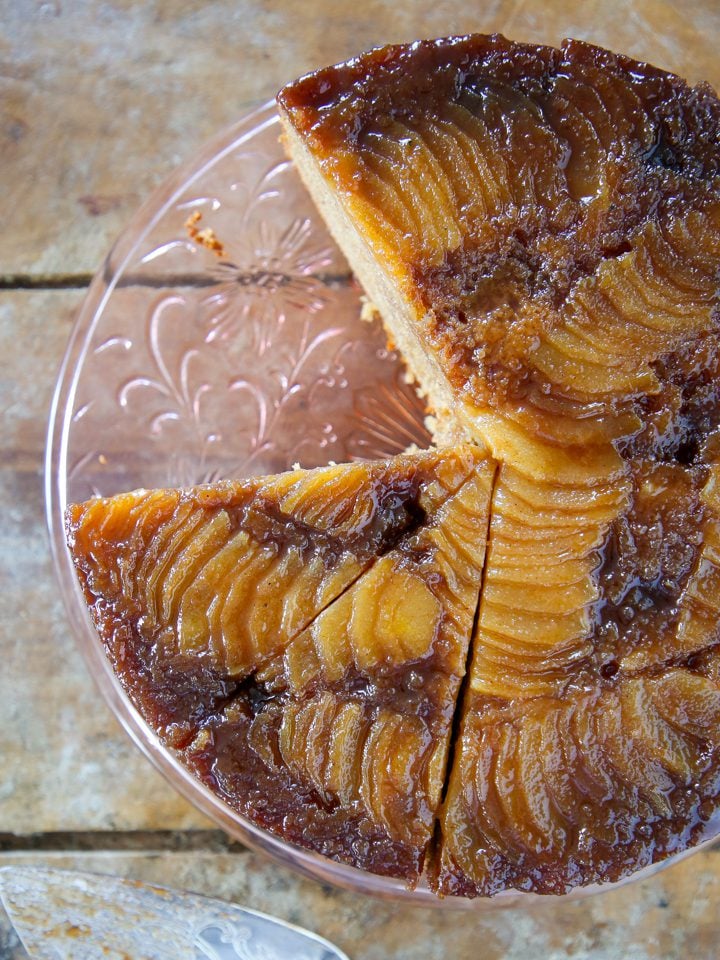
(672, 916)
(99, 103)
(66, 763)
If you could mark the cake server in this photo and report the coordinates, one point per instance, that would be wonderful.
(64, 915)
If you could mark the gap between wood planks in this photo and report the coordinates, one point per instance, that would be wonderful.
(79, 281)
(44, 281)
(121, 841)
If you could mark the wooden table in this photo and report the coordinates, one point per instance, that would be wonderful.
(99, 102)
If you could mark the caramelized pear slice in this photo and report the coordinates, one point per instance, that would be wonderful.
(660, 580)
(589, 786)
(350, 752)
(536, 618)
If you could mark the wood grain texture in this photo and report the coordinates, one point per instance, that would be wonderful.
(670, 917)
(100, 101)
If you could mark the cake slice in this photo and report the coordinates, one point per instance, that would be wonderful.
(540, 232)
(300, 639)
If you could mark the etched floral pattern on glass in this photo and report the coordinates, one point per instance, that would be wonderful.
(201, 366)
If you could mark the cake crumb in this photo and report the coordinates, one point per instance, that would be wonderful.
(205, 238)
(369, 313)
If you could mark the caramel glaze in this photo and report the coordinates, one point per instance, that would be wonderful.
(238, 756)
(647, 560)
(652, 549)
(607, 824)
(571, 196)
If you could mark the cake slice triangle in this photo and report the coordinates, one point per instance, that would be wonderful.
(342, 743)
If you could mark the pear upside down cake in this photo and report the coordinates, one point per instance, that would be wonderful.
(497, 661)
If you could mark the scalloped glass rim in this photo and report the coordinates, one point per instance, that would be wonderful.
(101, 289)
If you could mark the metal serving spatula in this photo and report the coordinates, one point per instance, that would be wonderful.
(63, 915)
